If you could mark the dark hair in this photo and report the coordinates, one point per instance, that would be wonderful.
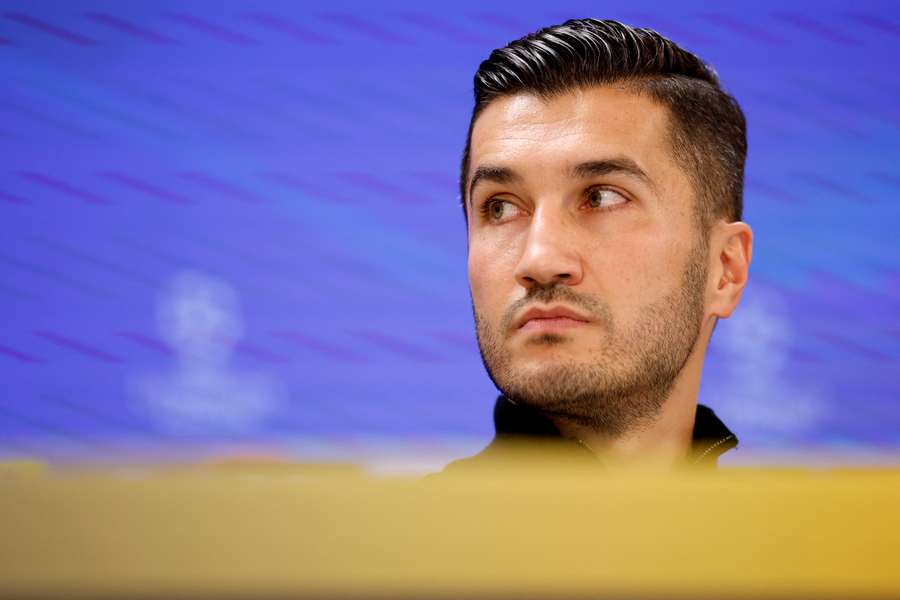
(708, 132)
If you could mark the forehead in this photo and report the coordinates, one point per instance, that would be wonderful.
(587, 123)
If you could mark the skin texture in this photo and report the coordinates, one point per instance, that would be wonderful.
(625, 251)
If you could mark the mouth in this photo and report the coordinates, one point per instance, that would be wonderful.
(541, 320)
(550, 325)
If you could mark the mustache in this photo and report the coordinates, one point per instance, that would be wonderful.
(558, 293)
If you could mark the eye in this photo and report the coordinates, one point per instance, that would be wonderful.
(498, 210)
(601, 198)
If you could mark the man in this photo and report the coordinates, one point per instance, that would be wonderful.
(602, 187)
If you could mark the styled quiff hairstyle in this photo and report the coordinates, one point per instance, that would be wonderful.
(708, 132)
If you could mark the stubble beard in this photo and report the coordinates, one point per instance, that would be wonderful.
(624, 382)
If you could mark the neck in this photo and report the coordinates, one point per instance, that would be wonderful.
(663, 439)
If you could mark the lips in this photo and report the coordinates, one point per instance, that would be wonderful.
(558, 317)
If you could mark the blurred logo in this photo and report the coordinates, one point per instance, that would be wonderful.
(758, 393)
(199, 318)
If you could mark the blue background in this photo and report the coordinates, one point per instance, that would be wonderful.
(288, 171)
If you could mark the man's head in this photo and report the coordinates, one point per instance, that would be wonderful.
(603, 176)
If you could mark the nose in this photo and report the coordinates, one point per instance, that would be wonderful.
(550, 256)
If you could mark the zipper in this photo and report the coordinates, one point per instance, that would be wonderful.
(713, 447)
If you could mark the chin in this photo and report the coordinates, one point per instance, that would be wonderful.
(543, 366)
(547, 348)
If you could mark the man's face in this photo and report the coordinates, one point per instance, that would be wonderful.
(586, 264)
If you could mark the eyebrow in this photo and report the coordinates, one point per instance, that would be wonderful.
(591, 168)
(619, 164)
(492, 173)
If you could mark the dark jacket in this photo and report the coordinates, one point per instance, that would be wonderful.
(515, 424)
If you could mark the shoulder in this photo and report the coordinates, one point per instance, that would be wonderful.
(510, 452)
(485, 458)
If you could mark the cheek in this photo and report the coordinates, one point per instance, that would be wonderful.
(631, 271)
(491, 276)
(480, 276)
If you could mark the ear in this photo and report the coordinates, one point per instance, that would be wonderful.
(731, 248)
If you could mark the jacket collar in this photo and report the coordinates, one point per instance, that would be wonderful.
(711, 438)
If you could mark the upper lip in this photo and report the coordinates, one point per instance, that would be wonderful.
(549, 313)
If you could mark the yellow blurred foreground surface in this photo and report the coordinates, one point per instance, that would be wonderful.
(295, 531)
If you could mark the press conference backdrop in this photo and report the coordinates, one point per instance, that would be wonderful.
(234, 226)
